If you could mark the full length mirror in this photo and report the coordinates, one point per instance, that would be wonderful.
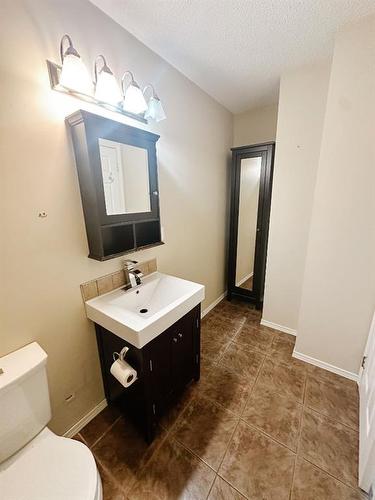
(250, 170)
(125, 178)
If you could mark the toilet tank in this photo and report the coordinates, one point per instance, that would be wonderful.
(24, 398)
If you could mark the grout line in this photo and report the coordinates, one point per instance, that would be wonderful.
(234, 487)
(228, 444)
(298, 443)
(331, 419)
(105, 432)
(212, 485)
(239, 419)
(192, 452)
(110, 475)
(357, 488)
(261, 431)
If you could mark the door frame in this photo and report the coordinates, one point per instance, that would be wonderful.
(267, 152)
(366, 462)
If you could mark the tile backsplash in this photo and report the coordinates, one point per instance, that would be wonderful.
(109, 282)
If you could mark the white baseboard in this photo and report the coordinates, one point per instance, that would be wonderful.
(248, 276)
(85, 419)
(281, 328)
(214, 304)
(326, 366)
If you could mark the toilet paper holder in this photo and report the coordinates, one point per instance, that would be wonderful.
(120, 355)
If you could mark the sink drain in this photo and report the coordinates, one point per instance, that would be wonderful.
(143, 311)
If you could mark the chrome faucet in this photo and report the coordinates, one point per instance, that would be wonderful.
(134, 275)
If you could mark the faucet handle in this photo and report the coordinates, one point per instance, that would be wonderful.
(130, 264)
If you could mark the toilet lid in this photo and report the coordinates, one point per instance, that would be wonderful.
(49, 468)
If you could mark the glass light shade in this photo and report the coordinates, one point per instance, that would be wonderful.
(107, 89)
(134, 102)
(155, 110)
(74, 75)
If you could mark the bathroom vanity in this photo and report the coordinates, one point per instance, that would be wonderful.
(163, 342)
(164, 367)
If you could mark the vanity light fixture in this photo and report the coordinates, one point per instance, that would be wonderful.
(155, 110)
(134, 101)
(74, 75)
(107, 89)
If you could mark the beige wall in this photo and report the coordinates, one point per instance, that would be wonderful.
(338, 296)
(45, 259)
(299, 130)
(255, 126)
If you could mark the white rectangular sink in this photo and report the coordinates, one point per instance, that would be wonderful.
(163, 300)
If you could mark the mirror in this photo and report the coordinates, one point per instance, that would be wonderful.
(125, 178)
(250, 170)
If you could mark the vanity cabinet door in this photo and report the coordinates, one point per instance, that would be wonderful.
(161, 375)
(182, 353)
(174, 360)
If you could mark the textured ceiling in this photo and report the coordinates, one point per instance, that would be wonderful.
(236, 50)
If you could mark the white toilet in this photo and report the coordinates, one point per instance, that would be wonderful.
(35, 463)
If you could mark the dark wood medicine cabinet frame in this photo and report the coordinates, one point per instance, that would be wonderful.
(110, 236)
(267, 152)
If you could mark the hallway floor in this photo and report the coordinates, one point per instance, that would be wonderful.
(259, 425)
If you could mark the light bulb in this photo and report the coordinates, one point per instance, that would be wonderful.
(155, 110)
(106, 87)
(74, 75)
(134, 102)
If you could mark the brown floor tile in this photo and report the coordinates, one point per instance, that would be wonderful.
(218, 328)
(95, 429)
(257, 466)
(78, 437)
(282, 349)
(226, 387)
(253, 320)
(330, 445)
(321, 374)
(282, 378)
(311, 483)
(212, 349)
(206, 428)
(278, 416)
(172, 474)
(206, 367)
(177, 406)
(111, 488)
(254, 338)
(285, 336)
(334, 400)
(124, 452)
(221, 490)
(244, 361)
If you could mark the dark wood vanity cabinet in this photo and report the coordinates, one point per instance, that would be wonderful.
(164, 367)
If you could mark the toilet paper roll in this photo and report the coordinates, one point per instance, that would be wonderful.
(123, 372)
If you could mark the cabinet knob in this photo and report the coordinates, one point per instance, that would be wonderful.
(180, 335)
(175, 339)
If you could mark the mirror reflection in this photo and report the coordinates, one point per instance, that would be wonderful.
(125, 178)
(247, 221)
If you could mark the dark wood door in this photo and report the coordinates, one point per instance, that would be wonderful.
(161, 369)
(182, 352)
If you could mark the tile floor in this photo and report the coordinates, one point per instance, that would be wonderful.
(259, 425)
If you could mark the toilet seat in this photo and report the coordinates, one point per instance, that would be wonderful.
(50, 467)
